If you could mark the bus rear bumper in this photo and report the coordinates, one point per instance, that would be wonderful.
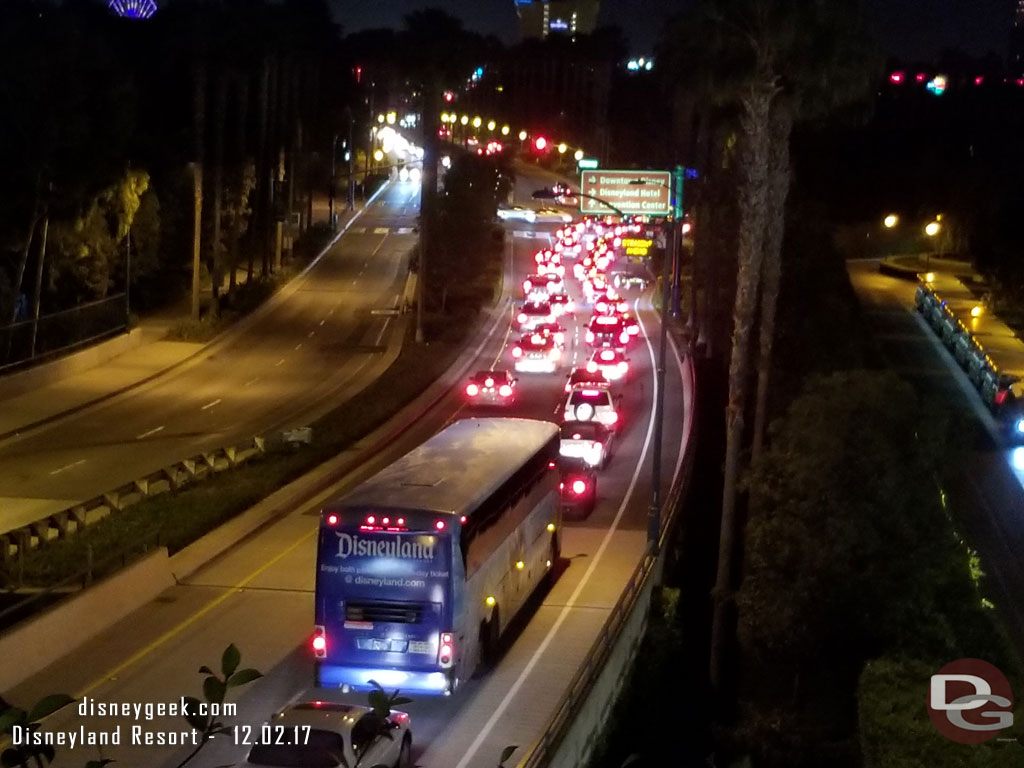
(358, 679)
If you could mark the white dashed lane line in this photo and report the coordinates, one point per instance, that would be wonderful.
(211, 404)
(67, 466)
(150, 432)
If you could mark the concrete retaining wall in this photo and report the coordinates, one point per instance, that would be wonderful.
(14, 384)
(35, 644)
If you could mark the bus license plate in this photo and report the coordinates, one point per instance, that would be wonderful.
(420, 646)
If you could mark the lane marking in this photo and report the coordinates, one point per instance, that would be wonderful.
(298, 346)
(279, 362)
(250, 382)
(174, 631)
(504, 342)
(67, 466)
(311, 334)
(571, 602)
(211, 404)
(381, 334)
(322, 322)
(150, 432)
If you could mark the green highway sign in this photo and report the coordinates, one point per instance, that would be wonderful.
(587, 163)
(647, 193)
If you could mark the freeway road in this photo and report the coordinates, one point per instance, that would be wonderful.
(260, 379)
(988, 489)
(259, 594)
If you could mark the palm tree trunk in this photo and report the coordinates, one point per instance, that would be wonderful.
(220, 116)
(775, 227)
(753, 191)
(240, 179)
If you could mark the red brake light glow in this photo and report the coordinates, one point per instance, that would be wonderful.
(472, 390)
(607, 355)
(370, 519)
(439, 525)
(522, 317)
(591, 367)
(505, 390)
(578, 486)
(517, 351)
(332, 519)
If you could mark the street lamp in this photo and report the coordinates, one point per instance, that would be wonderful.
(890, 221)
(932, 228)
(654, 512)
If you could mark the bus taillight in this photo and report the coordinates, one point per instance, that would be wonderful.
(332, 519)
(447, 649)
(320, 642)
(439, 525)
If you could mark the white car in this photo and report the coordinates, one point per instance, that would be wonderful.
(324, 733)
(517, 213)
(586, 440)
(536, 353)
(610, 362)
(553, 214)
(586, 403)
(533, 313)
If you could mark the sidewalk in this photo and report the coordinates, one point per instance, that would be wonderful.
(150, 355)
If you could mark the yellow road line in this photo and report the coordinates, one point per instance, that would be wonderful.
(143, 652)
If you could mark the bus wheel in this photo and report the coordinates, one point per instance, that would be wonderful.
(490, 631)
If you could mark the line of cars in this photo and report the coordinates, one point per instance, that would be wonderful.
(589, 414)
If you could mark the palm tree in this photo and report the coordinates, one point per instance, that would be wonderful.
(758, 55)
(826, 63)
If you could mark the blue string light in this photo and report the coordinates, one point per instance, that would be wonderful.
(133, 9)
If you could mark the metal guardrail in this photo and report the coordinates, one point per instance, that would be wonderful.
(545, 746)
(64, 522)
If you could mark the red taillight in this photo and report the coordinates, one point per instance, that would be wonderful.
(370, 519)
(462, 519)
(613, 417)
(517, 351)
(522, 317)
(319, 642)
(401, 521)
(555, 353)
(1001, 396)
(624, 337)
(332, 519)
(472, 390)
(591, 367)
(560, 338)
(590, 337)
(447, 650)
(505, 390)
(598, 446)
(488, 382)
(607, 355)
(439, 525)
(579, 487)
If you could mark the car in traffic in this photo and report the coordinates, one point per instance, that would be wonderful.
(533, 313)
(611, 363)
(553, 214)
(517, 213)
(586, 403)
(553, 330)
(585, 374)
(536, 353)
(562, 304)
(586, 440)
(577, 488)
(607, 331)
(328, 734)
(491, 388)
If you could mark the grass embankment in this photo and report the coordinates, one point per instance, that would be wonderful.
(178, 518)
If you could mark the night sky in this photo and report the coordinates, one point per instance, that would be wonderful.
(908, 29)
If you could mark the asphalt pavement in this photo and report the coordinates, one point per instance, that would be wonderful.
(259, 594)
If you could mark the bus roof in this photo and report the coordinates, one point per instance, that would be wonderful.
(456, 469)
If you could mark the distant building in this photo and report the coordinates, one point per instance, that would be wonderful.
(541, 18)
(1017, 41)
